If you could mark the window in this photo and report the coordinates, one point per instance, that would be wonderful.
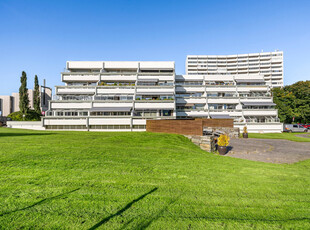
(65, 127)
(166, 113)
(139, 127)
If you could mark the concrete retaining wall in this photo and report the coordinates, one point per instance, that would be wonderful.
(35, 125)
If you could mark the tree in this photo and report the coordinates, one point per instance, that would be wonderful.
(36, 95)
(23, 94)
(284, 103)
(293, 101)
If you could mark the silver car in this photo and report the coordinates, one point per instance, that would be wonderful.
(294, 128)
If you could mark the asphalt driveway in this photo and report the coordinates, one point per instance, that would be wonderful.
(269, 150)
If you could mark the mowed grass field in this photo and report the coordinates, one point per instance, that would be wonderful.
(286, 136)
(90, 180)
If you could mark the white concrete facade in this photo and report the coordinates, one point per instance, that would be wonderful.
(112, 96)
(121, 96)
(245, 98)
(267, 64)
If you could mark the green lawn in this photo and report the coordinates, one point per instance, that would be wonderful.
(287, 136)
(89, 180)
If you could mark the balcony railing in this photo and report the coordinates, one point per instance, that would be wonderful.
(266, 120)
(223, 97)
(225, 110)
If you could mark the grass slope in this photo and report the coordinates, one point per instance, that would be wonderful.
(89, 180)
(286, 136)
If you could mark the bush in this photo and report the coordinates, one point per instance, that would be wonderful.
(31, 116)
(223, 140)
(245, 129)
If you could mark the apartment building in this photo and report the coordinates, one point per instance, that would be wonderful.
(245, 98)
(267, 64)
(6, 105)
(10, 104)
(121, 96)
(112, 96)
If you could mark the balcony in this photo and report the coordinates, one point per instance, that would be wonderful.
(260, 112)
(224, 110)
(265, 120)
(78, 77)
(115, 90)
(75, 90)
(191, 100)
(118, 78)
(70, 105)
(223, 100)
(191, 110)
(156, 90)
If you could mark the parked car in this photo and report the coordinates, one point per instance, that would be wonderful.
(307, 126)
(296, 128)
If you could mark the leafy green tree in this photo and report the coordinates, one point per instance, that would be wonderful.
(30, 116)
(284, 103)
(36, 95)
(301, 91)
(23, 94)
(293, 101)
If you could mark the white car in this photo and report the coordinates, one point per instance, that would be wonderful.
(294, 128)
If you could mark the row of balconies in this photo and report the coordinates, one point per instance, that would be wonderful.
(193, 72)
(231, 59)
(165, 104)
(93, 121)
(156, 90)
(232, 72)
(231, 113)
(67, 77)
(239, 65)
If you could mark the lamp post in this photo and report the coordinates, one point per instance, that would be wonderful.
(24, 117)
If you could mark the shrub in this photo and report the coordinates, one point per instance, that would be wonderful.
(245, 129)
(223, 140)
(30, 116)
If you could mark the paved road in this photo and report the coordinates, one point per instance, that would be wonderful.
(303, 135)
(269, 150)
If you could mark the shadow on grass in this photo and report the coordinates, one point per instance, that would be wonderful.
(24, 134)
(119, 212)
(39, 202)
(146, 224)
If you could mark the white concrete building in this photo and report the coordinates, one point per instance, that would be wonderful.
(245, 98)
(267, 64)
(112, 96)
(121, 96)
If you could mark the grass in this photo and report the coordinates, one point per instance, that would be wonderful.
(286, 136)
(90, 180)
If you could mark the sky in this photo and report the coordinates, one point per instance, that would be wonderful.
(38, 37)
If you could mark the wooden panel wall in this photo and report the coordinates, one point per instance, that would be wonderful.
(229, 123)
(185, 127)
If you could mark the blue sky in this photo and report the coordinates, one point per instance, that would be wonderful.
(40, 36)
